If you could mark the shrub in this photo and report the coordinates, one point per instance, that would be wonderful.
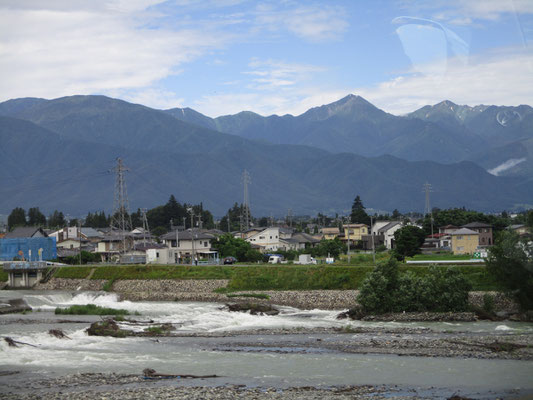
(440, 289)
(488, 303)
(90, 309)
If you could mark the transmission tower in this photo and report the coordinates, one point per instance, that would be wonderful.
(121, 218)
(145, 225)
(427, 210)
(289, 217)
(246, 181)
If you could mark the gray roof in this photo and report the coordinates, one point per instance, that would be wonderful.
(389, 226)
(464, 231)
(303, 237)
(186, 235)
(24, 232)
(90, 232)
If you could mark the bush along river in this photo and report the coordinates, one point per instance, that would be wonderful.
(205, 350)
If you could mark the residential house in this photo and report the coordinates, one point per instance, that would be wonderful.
(182, 245)
(355, 232)
(275, 238)
(110, 246)
(464, 241)
(484, 230)
(26, 232)
(388, 231)
(27, 243)
(74, 232)
(521, 229)
(448, 229)
(330, 233)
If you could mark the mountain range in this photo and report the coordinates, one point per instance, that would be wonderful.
(59, 154)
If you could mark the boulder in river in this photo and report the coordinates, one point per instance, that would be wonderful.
(254, 308)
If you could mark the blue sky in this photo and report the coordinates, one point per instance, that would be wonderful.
(222, 57)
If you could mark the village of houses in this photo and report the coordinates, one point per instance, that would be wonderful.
(195, 246)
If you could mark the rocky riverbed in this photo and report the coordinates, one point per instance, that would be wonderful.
(96, 386)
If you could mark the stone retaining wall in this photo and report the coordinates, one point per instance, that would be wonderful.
(203, 290)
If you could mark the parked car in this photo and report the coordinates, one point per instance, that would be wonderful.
(230, 260)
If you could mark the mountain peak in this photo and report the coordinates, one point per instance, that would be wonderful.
(351, 104)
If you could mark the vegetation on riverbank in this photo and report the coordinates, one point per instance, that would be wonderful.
(386, 290)
(90, 309)
(270, 277)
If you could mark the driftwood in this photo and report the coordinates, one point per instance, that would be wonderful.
(58, 333)
(14, 343)
(150, 373)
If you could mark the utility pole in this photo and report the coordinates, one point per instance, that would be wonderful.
(349, 255)
(289, 217)
(192, 235)
(121, 218)
(372, 233)
(427, 189)
(246, 181)
(79, 235)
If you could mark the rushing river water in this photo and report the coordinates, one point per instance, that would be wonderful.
(276, 362)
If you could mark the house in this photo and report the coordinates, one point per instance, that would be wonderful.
(305, 240)
(74, 232)
(190, 246)
(355, 232)
(26, 232)
(464, 241)
(484, 230)
(330, 233)
(275, 238)
(72, 243)
(521, 229)
(448, 229)
(27, 243)
(111, 245)
(388, 231)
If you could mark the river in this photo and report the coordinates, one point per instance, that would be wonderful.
(243, 349)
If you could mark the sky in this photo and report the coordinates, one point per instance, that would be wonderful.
(270, 57)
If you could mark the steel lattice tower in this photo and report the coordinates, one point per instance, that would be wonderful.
(121, 218)
(246, 181)
(427, 210)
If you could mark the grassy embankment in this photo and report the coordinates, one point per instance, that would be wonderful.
(90, 309)
(267, 277)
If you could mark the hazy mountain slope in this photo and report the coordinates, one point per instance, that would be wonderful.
(100, 119)
(351, 124)
(42, 168)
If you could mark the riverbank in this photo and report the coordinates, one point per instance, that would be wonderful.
(204, 290)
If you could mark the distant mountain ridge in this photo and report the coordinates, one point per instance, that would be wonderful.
(445, 132)
(57, 154)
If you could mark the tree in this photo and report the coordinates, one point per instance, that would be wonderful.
(56, 220)
(36, 217)
(396, 214)
(386, 290)
(408, 241)
(227, 245)
(16, 218)
(332, 248)
(510, 261)
(359, 215)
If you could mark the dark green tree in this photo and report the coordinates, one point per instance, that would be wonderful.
(329, 247)
(57, 220)
(396, 214)
(36, 217)
(358, 214)
(16, 218)
(227, 245)
(510, 261)
(408, 241)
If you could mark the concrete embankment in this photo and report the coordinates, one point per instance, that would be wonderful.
(203, 290)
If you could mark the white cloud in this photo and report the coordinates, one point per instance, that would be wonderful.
(101, 47)
(271, 75)
(504, 79)
(310, 22)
